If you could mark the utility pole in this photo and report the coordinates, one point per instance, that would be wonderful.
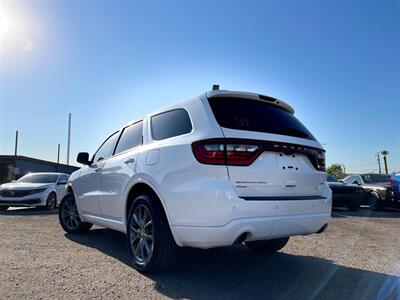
(379, 163)
(58, 156)
(69, 137)
(16, 143)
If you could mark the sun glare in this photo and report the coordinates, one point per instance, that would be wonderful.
(6, 24)
(14, 31)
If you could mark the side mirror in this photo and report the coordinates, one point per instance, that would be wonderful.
(356, 182)
(83, 158)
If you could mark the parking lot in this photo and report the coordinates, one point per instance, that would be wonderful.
(358, 257)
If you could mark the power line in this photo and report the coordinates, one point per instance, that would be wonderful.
(365, 141)
(361, 165)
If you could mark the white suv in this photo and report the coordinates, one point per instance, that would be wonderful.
(216, 169)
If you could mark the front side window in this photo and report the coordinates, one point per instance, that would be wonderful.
(131, 137)
(350, 179)
(63, 178)
(171, 123)
(106, 149)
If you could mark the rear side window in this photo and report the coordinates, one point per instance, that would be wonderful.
(170, 123)
(253, 115)
(131, 137)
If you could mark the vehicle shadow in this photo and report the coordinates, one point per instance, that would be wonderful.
(366, 212)
(237, 273)
(28, 211)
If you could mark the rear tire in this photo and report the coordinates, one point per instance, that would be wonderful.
(354, 206)
(267, 246)
(150, 241)
(3, 207)
(69, 216)
(375, 201)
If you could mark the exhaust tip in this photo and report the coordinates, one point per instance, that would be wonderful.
(323, 228)
(241, 238)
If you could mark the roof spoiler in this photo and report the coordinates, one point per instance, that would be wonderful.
(252, 96)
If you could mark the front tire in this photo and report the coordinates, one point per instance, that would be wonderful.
(51, 201)
(150, 241)
(267, 246)
(3, 207)
(69, 216)
(375, 201)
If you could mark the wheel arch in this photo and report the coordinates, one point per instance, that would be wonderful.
(375, 193)
(140, 187)
(135, 190)
(53, 192)
(69, 189)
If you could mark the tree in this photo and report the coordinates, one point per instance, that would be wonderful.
(385, 153)
(336, 170)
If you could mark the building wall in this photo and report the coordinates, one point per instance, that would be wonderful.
(12, 168)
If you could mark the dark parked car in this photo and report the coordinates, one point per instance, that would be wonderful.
(376, 188)
(345, 194)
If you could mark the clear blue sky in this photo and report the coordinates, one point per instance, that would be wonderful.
(336, 62)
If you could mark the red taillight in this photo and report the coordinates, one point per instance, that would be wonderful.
(209, 153)
(243, 152)
(321, 160)
(391, 183)
(221, 152)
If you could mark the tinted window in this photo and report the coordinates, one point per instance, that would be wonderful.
(253, 115)
(351, 179)
(170, 123)
(63, 178)
(348, 179)
(106, 149)
(131, 137)
(373, 178)
(330, 178)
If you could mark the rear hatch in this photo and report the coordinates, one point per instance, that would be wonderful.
(270, 153)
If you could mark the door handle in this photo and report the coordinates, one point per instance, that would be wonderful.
(97, 169)
(129, 161)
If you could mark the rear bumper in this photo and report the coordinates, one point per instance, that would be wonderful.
(257, 220)
(392, 200)
(259, 228)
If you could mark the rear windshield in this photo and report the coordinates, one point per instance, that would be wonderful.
(374, 178)
(253, 115)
